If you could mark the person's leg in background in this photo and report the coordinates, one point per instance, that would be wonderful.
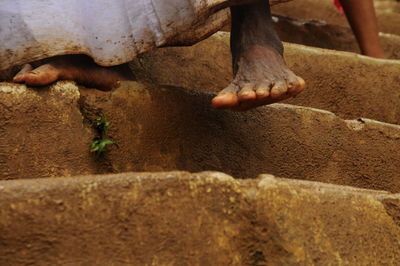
(362, 19)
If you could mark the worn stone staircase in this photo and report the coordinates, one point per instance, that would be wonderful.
(312, 181)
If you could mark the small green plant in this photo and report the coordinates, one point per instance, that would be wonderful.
(99, 144)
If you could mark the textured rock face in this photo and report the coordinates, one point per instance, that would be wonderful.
(41, 132)
(388, 18)
(194, 219)
(347, 84)
(206, 218)
(323, 35)
(161, 128)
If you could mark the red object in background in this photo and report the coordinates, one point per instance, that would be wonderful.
(339, 6)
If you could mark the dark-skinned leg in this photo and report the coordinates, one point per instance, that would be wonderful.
(261, 75)
(363, 21)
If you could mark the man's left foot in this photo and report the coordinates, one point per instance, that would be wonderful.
(79, 68)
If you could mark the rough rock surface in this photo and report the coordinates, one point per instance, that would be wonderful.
(208, 218)
(41, 132)
(347, 84)
(323, 35)
(388, 13)
(161, 128)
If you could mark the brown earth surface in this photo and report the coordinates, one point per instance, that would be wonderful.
(56, 207)
(388, 14)
(47, 133)
(320, 34)
(41, 132)
(207, 218)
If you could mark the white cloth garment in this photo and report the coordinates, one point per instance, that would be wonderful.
(112, 32)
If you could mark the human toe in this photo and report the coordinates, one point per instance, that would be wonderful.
(20, 76)
(225, 98)
(263, 91)
(279, 89)
(247, 92)
(42, 75)
(295, 85)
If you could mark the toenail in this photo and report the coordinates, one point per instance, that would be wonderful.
(261, 92)
(223, 93)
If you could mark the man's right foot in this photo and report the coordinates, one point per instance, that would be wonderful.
(261, 74)
(79, 68)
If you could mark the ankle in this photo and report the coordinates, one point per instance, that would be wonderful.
(376, 52)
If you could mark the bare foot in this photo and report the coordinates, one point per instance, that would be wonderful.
(261, 75)
(79, 68)
(262, 78)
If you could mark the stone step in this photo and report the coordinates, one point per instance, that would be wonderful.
(347, 84)
(208, 218)
(320, 34)
(47, 132)
(388, 14)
